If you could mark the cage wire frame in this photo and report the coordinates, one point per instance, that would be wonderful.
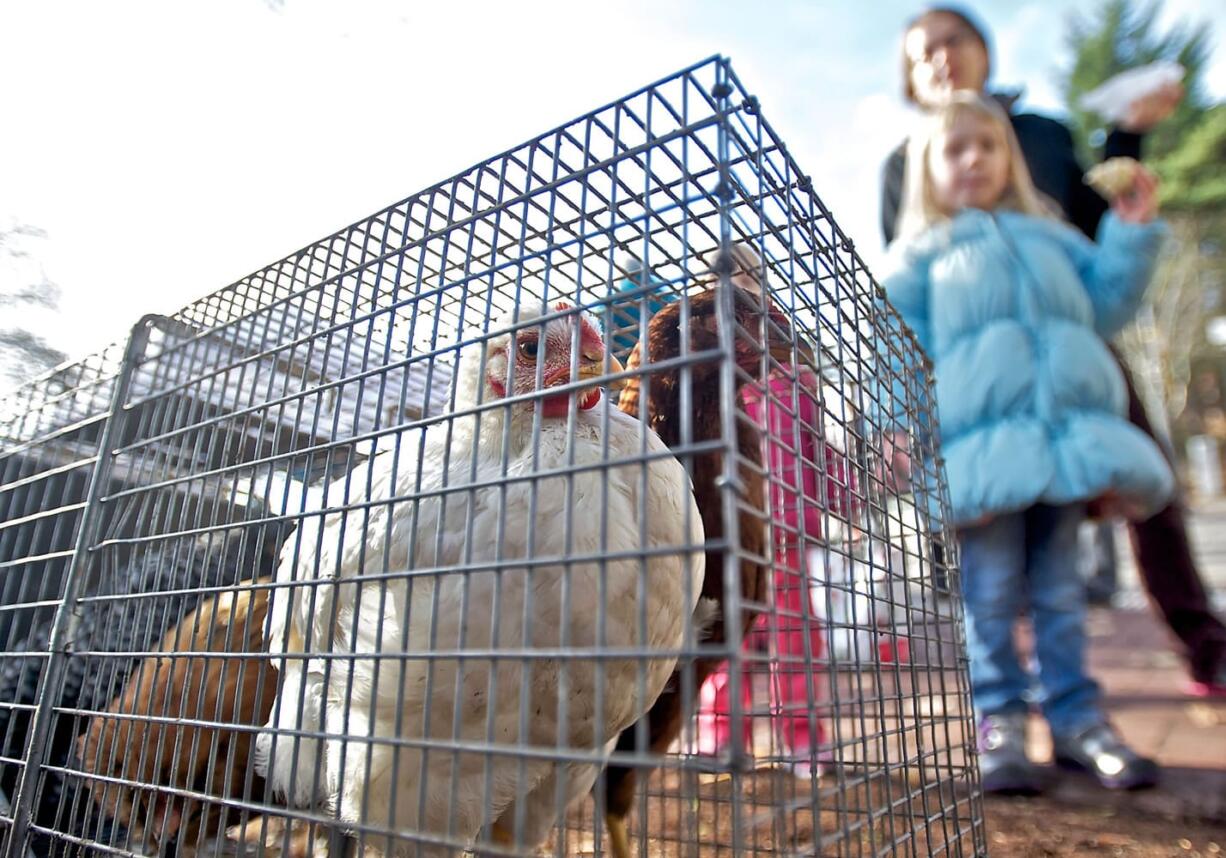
(146, 493)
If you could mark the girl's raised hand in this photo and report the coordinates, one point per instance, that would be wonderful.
(1139, 204)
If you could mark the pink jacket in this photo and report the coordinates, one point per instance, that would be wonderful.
(797, 455)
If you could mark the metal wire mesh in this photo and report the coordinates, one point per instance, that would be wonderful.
(386, 545)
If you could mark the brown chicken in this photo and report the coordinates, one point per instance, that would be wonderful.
(668, 715)
(168, 754)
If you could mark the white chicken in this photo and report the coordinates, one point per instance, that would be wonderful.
(484, 490)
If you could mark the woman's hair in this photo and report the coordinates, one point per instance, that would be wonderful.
(964, 18)
(920, 209)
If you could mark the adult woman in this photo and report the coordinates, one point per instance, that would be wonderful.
(945, 51)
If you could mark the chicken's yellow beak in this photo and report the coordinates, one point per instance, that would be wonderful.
(593, 367)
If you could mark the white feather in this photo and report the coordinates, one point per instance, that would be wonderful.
(587, 607)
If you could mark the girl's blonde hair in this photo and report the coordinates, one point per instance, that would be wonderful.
(919, 209)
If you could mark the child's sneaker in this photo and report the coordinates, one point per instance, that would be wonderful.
(1100, 751)
(1004, 767)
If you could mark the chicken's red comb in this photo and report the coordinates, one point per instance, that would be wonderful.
(589, 335)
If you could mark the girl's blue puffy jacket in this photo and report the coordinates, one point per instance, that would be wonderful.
(1013, 310)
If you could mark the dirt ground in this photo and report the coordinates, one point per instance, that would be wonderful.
(1077, 820)
(1040, 827)
(1016, 828)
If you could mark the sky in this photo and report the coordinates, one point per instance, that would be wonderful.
(164, 150)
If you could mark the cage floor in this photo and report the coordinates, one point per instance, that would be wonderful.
(861, 813)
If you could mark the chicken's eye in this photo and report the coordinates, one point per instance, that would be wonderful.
(527, 348)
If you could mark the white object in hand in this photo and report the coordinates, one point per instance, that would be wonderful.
(1111, 99)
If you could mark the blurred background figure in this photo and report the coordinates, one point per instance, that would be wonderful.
(945, 50)
(809, 482)
(808, 479)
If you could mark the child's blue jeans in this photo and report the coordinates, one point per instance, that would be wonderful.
(1028, 560)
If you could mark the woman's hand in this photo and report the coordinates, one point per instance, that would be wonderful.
(1140, 203)
(1148, 111)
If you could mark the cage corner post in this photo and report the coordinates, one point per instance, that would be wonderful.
(953, 562)
(66, 617)
(740, 760)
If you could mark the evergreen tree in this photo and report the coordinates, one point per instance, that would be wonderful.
(1194, 171)
(1188, 151)
(1122, 35)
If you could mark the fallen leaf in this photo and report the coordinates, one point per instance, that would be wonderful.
(1204, 715)
(1113, 840)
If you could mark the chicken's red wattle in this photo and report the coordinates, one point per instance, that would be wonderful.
(556, 406)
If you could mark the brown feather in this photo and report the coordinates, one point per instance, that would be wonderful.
(168, 753)
(668, 716)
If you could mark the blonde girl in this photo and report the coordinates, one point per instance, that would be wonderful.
(1013, 306)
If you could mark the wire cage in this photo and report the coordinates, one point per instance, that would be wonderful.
(584, 503)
